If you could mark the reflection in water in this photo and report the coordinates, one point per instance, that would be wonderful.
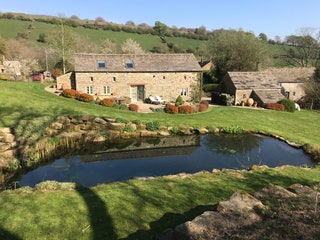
(167, 155)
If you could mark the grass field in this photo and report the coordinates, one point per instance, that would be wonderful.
(138, 209)
(10, 28)
(29, 100)
(134, 209)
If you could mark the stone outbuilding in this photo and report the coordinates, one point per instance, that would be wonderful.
(10, 69)
(268, 86)
(135, 77)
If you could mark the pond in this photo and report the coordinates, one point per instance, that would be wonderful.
(167, 155)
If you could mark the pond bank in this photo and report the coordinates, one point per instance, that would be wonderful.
(23, 148)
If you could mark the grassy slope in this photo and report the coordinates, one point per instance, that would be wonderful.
(134, 209)
(29, 100)
(10, 28)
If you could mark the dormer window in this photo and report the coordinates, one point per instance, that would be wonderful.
(102, 64)
(129, 64)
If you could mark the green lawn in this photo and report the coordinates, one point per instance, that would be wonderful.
(134, 209)
(138, 209)
(29, 100)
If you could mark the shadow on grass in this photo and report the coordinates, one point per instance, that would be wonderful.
(251, 182)
(5, 235)
(100, 222)
(168, 221)
(11, 115)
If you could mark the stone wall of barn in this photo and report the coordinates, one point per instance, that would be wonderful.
(293, 91)
(64, 81)
(168, 85)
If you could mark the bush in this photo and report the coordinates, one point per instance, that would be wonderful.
(210, 87)
(289, 105)
(222, 99)
(233, 130)
(172, 109)
(179, 101)
(186, 109)
(70, 93)
(84, 97)
(153, 126)
(158, 110)
(54, 185)
(274, 106)
(136, 122)
(128, 128)
(121, 120)
(133, 107)
(205, 102)
(107, 102)
(202, 107)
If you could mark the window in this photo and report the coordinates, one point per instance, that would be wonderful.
(129, 64)
(91, 79)
(89, 89)
(106, 90)
(184, 92)
(102, 64)
(114, 79)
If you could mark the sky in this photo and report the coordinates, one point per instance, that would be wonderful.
(272, 17)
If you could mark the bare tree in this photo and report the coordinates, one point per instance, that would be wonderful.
(64, 44)
(304, 50)
(312, 90)
(100, 20)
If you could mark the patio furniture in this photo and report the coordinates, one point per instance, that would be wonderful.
(153, 101)
(160, 100)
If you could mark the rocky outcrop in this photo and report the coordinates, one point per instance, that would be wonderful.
(8, 148)
(245, 215)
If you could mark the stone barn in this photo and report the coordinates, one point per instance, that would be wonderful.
(134, 77)
(268, 86)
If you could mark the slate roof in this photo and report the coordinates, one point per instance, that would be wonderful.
(270, 78)
(269, 95)
(253, 80)
(291, 74)
(142, 63)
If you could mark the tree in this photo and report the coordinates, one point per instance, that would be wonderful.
(304, 50)
(131, 47)
(74, 17)
(108, 46)
(312, 90)
(233, 50)
(64, 44)
(263, 37)
(42, 38)
(100, 20)
(130, 23)
(3, 47)
(312, 97)
(160, 29)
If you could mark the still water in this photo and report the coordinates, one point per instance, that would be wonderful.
(165, 156)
